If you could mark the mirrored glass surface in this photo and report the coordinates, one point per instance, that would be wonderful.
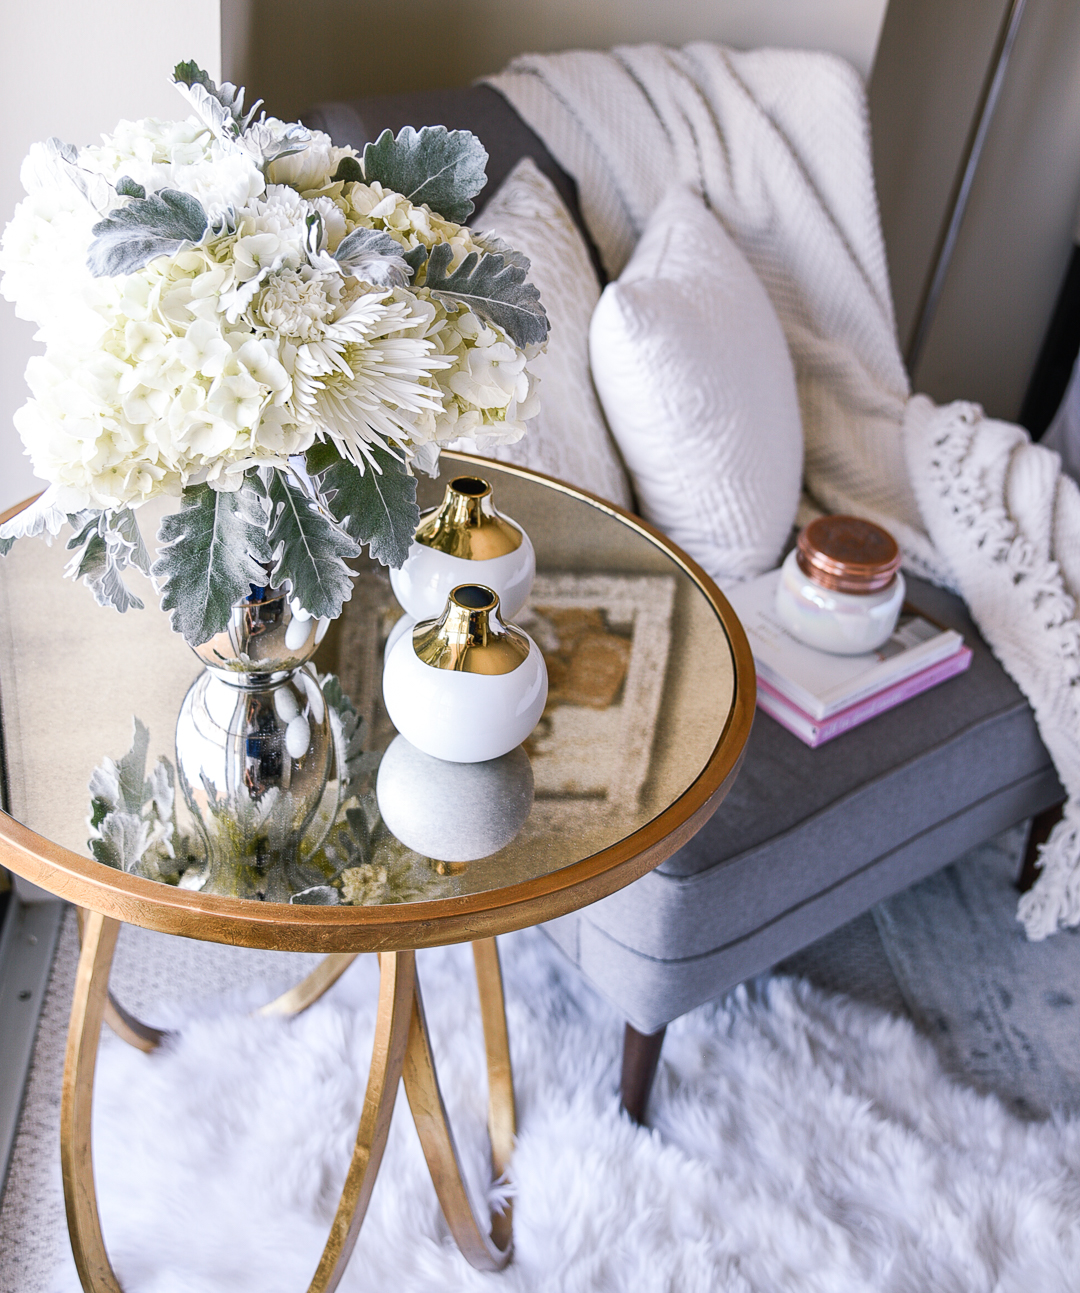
(641, 683)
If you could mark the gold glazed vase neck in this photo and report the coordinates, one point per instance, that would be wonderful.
(467, 525)
(469, 637)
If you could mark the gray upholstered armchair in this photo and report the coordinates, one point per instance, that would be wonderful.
(807, 839)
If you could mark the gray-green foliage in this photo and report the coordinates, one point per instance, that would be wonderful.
(376, 509)
(493, 287)
(220, 543)
(133, 815)
(309, 549)
(443, 168)
(104, 545)
(41, 517)
(374, 257)
(221, 106)
(133, 235)
(216, 547)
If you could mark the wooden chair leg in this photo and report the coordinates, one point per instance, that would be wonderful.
(1041, 826)
(641, 1054)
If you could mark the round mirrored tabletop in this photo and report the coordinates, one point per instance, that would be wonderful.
(651, 696)
(650, 702)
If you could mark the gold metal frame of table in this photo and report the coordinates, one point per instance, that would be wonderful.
(402, 1048)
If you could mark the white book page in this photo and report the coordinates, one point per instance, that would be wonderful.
(821, 683)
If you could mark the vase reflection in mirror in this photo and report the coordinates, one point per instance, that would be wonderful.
(453, 812)
(465, 540)
(255, 749)
(465, 687)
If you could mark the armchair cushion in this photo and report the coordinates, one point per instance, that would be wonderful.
(569, 438)
(699, 390)
(808, 839)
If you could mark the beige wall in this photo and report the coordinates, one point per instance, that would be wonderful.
(74, 68)
(1017, 236)
(346, 48)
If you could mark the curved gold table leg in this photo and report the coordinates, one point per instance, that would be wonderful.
(402, 1046)
(309, 990)
(87, 1012)
(487, 1252)
(144, 1037)
(397, 990)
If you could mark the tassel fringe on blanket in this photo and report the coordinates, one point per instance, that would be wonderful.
(778, 143)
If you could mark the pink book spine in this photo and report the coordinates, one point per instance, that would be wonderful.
(822, 730)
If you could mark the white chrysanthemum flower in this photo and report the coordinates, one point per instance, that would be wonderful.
(366, 381)
(297, 306)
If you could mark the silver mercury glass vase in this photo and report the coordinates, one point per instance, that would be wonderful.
(254, 750)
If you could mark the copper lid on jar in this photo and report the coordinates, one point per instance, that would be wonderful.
(848, 554)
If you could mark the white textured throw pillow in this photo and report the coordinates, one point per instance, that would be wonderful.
(568, 438)
(695, 378)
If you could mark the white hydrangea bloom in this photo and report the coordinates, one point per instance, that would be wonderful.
(180, 155)
(413, 226)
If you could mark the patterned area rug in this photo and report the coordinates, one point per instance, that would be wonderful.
(1001, 1011)
(800, 1141)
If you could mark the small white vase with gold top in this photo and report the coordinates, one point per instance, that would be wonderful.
(465, 687)
(465, 541)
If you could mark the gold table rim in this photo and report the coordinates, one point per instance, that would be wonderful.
(435, 922)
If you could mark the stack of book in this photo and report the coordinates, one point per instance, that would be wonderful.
(817, 696)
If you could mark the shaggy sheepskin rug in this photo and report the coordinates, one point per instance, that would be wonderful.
(798, 1143)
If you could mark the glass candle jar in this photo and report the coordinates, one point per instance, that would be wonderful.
(840, 587)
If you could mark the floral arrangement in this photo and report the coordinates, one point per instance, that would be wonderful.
(272, 329)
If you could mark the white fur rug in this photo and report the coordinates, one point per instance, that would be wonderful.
(800, 1143)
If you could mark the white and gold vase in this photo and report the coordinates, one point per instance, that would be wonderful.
(465, 687)
(465, 541)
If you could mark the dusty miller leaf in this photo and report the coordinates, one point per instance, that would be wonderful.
(348, 729)
(220, 106)
(215, 546)
(415, 257)
(122, 841)
(491, 242)
(378, 511)
(126, 187)
(348, 172)
(132, 236)
(99, 565)
(55, 162)
(125, 527)
(42, 516)
(109, 543)
(442, 168)
(120, 784)
(491, 288)
(309, 550)
(374, 257)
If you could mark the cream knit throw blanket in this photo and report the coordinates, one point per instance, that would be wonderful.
(778, 143)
